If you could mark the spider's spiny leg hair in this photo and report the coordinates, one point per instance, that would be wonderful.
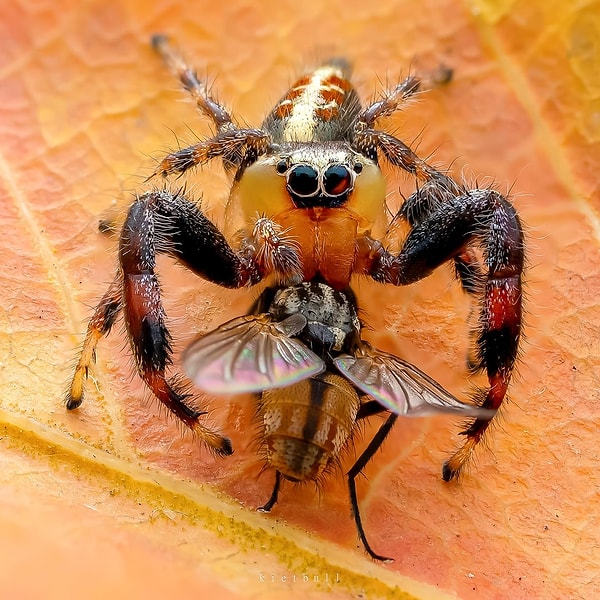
(483, 217)
(100, 324)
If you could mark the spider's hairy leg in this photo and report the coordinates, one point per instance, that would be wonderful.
(500, 319)
(487, 218)
(435, 185)
(471, 276)
(234, 146)
(100, 325)
(160, 222)
(436, 189)
(388, 105)
(189, 79)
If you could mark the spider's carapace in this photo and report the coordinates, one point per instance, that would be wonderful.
(308, 201)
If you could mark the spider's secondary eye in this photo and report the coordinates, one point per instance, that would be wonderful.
(337, 180)
(303, 180)
(282, 166)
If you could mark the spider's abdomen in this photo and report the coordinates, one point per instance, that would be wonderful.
(320, 106)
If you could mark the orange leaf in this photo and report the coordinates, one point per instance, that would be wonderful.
(113, 498)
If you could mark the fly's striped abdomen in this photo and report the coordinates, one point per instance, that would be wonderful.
(318, 107)
(306, 425)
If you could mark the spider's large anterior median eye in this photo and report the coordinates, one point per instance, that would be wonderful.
(337, 180)
(303, 180)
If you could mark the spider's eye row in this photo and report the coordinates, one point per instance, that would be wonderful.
(306, 181)
(337, 180)
(303, 180)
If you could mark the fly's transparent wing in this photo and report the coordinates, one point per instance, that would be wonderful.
(251, 354)
(401, 387)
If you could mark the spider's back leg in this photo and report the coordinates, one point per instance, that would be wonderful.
(196, 88)
(232, 144)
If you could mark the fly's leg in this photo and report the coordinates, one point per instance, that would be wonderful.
(358, 466)
(274, 495)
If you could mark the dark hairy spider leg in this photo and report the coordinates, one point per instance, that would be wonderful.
(194, 241)
(472, 280)
(435, 189)
(389, 104)
(358, 466)
(485, 217)
(419, 207)
(274, 495)
(188, 78)
(469, 271)
(159, 222)
(231, 143)
(100, 325)
(234, 146)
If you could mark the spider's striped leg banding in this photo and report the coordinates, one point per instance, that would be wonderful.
(100, 324)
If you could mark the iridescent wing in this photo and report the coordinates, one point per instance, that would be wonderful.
(251, 354)
(401, 387)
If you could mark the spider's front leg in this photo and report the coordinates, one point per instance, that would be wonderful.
(446, 220)
(481, 217)
(160, 222)
(435, 187)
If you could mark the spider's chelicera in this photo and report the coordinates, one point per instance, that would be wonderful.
(311, 196)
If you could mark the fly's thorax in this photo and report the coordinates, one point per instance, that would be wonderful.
(332, 321)
(308, 424)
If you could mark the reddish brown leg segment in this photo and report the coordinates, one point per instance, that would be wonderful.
(487, 218)
(159, 222)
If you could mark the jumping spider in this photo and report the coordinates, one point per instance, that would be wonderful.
(311, 197)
